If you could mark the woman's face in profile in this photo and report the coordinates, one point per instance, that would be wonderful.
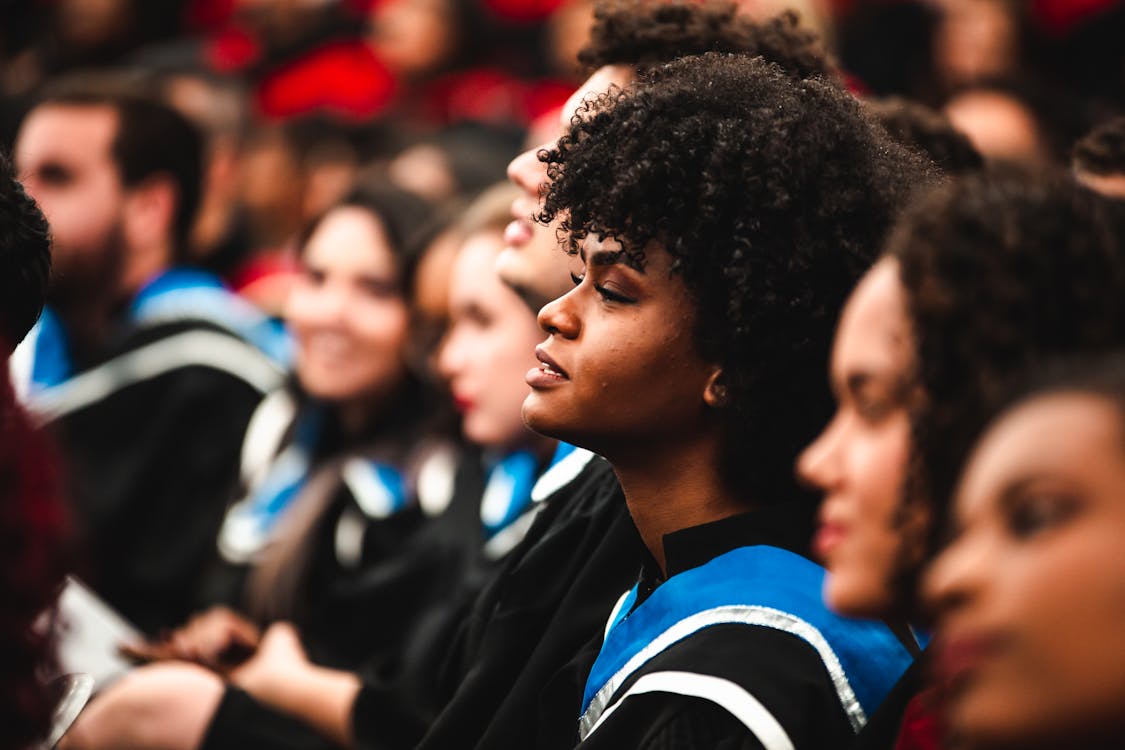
(489, 348)
(1030, 595)
(620, 372)
(347, 312)
(859, 461)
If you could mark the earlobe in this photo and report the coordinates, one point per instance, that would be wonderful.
(715, 391)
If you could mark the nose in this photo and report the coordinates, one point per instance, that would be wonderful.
(450, 356)
(559, 317)
(955, 575)
(819, 465)
(316, 306)
(527, 172)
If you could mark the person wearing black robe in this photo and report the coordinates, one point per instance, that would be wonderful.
(690, 354)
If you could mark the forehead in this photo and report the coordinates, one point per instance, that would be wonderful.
(599, 82)
(874, 325)
(350, 239)
(1064, 433)
(69, 133)
(474, 276)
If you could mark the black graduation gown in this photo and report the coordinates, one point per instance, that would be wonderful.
(150, 442)
(783, 672)
(508, 678)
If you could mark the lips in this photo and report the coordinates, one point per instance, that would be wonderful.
(548, 374)
(549, 365)
(960, 655)
(517, 233)
(828, 537)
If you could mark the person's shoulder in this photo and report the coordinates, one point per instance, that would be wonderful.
(769, 681)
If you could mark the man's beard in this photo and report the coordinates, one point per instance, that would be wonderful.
(89, 278)
(85, 293)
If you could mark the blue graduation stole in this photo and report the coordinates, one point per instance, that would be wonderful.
(759, 586)
(379, 490)
(191, 293)
(507, 491)
(51, 363)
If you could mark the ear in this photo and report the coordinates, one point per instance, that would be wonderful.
(150, 211)
(715, 390)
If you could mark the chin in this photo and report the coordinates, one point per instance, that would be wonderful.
(855, 601)
(538, 418)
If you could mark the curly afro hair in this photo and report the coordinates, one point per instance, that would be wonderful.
(1003, 271)
(25, 255)
(772, 196)
(1102, 151)
(646, 33)
(920, 127)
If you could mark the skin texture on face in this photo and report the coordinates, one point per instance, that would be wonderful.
(347, 313)
(1030, 596)
(531, 261)
(63, 158)
(489, 346)
(859, 461)
(620, 373)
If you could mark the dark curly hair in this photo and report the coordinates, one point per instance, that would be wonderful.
(25, 257)
(1003, 272)
(1102, 151)
(923, 128)
(646, 34)
(772, 196)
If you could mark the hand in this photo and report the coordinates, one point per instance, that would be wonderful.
(281, 676)
(218, 639)
(279, 662)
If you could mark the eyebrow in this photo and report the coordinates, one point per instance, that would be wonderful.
(611, 258)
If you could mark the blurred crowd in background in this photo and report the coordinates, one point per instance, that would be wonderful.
(357, 440)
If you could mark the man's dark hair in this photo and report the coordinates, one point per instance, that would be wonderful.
(925, 129)
(152, 139)
(645, 33)
(1003, 272)
(25, 258)
(772, 195)
(1102, 151)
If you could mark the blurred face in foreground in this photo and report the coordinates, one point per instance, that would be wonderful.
(860, 459)
(347, 312)
(1030, 596)
(532, 262)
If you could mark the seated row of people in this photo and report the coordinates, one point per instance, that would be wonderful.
(717, 212)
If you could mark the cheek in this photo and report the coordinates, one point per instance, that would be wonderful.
(383, 327)
(1061, 605)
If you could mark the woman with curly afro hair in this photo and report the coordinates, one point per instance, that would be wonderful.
(720, 211)
(985, 278)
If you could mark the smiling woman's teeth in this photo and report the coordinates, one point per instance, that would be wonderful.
(549, 370)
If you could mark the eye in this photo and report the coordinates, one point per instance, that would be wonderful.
(1037, 511)
(379, 288)
(315, 276)
(55, 174)
(611, 296)
(874, 410)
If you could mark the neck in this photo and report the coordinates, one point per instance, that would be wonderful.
(672, 488)
(87, 314)
(141, 266)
